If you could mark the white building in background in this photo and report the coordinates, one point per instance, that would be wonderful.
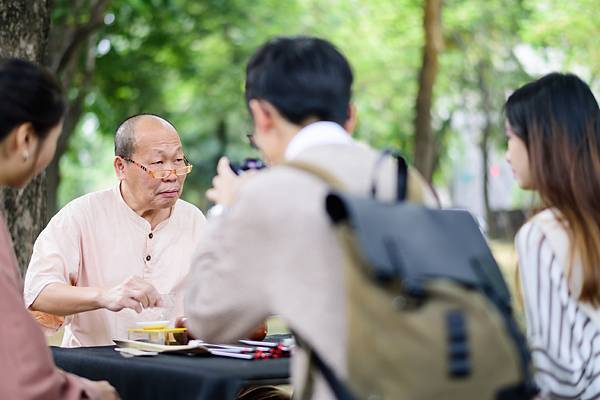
(466, 177)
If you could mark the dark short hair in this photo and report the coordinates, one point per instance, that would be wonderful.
(302, 77)
(125, 134)
(28, 94)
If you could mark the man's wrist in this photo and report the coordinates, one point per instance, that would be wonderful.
(98, 297)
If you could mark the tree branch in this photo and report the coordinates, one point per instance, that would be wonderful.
(76, 105)
(81, 33)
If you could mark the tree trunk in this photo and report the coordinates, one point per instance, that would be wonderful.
(24, 26)
(424, 143)
(483, 71)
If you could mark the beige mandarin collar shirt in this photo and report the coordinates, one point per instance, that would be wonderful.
(97, 240)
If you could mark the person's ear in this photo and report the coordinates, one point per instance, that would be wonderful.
(262, 116)
(352, 119)
(25, 141)
(119, 165)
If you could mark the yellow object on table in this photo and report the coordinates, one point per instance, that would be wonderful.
(155, 335)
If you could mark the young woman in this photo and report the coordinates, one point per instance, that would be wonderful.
(31, 110)
(553, 130)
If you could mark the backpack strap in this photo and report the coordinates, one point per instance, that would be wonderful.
(495, 292)
(315, 362)
(336, 183)
(402, 186)
(317, 171)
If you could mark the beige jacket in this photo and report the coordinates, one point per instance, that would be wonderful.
(275, 252)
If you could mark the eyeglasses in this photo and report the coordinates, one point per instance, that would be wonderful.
(250, 137)
(164, 173)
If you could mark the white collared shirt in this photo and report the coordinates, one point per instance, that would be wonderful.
(316, 134)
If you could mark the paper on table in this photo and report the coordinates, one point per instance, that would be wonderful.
(160, 348)
(258, 343)
(131, 352)
(243, 356)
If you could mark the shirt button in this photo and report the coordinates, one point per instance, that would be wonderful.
(148, 258)
(150, 235)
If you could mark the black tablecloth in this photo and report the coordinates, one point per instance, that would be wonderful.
(170, 376)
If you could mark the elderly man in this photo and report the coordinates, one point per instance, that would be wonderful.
(114, 257)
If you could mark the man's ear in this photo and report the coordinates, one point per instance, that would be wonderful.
(352, 119)
(119, 165)
(262, 115)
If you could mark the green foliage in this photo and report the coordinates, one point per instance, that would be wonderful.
(185, 59)
(570, 27)
(478, 58)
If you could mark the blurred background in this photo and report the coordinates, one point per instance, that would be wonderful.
(430, 80)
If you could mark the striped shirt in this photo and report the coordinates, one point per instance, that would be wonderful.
(563, 333)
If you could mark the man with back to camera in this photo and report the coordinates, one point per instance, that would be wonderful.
(108, 255)
(273, 250)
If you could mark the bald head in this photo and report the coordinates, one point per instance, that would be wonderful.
(125, 137)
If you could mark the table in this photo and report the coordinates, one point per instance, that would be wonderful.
(170, 376)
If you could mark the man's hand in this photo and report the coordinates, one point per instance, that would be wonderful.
(134, 293)
(225, 184)
(106, 391)
(183, 338)
(259, 333)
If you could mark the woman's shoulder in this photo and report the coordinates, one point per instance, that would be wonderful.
(546, 223)
(544, 231)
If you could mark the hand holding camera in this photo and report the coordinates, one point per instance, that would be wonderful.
(246, 165)
(228, 180)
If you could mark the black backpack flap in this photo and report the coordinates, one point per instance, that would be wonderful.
(415, 244)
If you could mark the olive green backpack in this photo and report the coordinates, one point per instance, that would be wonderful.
(428, 313)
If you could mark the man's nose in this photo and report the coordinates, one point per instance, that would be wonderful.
(171, 177)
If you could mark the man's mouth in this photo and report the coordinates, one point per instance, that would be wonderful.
(169, 193)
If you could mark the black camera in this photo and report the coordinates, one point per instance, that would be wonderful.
(248, 163)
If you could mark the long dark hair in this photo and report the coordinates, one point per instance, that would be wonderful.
(28, 93)
(558, 118)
